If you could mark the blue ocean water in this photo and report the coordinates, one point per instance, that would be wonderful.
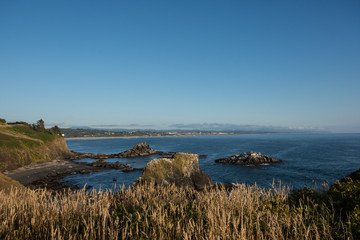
(308, 159)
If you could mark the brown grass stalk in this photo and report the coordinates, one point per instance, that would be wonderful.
(157, 212)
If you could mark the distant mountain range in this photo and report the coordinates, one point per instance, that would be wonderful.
(242, 128)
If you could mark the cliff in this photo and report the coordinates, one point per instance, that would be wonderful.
(21, 144)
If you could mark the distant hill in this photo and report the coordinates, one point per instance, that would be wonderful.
(91, 132)
(22, 144)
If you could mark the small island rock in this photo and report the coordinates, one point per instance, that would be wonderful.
(139, 150)
(249, 158)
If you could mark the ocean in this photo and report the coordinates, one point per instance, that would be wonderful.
(308, 159)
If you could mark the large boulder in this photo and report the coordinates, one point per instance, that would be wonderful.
(182, 170)
(249, 158)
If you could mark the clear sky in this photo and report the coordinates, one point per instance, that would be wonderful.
(159, 63)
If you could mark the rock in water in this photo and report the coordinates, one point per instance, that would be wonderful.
(182, 169)
(249, 158)
(140, 150)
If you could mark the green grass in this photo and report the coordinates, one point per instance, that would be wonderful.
(44, 136)
(21, 145)
(7, 141)
(343, 197)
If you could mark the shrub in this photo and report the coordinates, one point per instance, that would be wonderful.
(343, 198)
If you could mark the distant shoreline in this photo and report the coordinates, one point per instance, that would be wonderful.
(192, 135)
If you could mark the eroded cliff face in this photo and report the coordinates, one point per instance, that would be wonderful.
(21, 146)
(182, 170)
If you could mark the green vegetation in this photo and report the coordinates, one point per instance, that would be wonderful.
(343, 197)
(22, 144)
(11, 142)
(158, 212)
(30, 132)
(2, 121)
(56, 130)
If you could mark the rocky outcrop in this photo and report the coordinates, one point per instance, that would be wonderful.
(139, 150)
(76, 156)
(103, 164)
(249, 158)
(132, 169)
(182, 170)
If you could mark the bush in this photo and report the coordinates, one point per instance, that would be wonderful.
(20, 123)
(346, 200)
(343, 198)
(56, 130)
(2, 121)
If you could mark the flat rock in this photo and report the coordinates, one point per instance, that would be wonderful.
(103, 164)
(248, 158)
(133, 169)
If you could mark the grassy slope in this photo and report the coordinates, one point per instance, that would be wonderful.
(21, 145)
(7, 183)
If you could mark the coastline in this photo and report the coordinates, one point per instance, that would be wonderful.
(48, 174)
(190, 135)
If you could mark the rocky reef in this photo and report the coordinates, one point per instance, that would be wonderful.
(182, 170)
(248, 158)
(139, 150)
(103, 164)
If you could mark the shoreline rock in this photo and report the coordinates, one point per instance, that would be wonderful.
(103, 164)
(182, 170)
(132, 169)
(248, 158)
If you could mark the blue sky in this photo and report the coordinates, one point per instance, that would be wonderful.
(161, 63)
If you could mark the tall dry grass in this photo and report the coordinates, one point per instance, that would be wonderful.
(157, 212)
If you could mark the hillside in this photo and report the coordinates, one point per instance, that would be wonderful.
(7, 183)
(22, 144)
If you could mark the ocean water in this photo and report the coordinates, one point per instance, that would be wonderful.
(308, 159)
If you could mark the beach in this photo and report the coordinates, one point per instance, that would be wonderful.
(48, 174)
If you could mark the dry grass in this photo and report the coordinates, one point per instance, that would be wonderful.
(7, 183)
(155, 212)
